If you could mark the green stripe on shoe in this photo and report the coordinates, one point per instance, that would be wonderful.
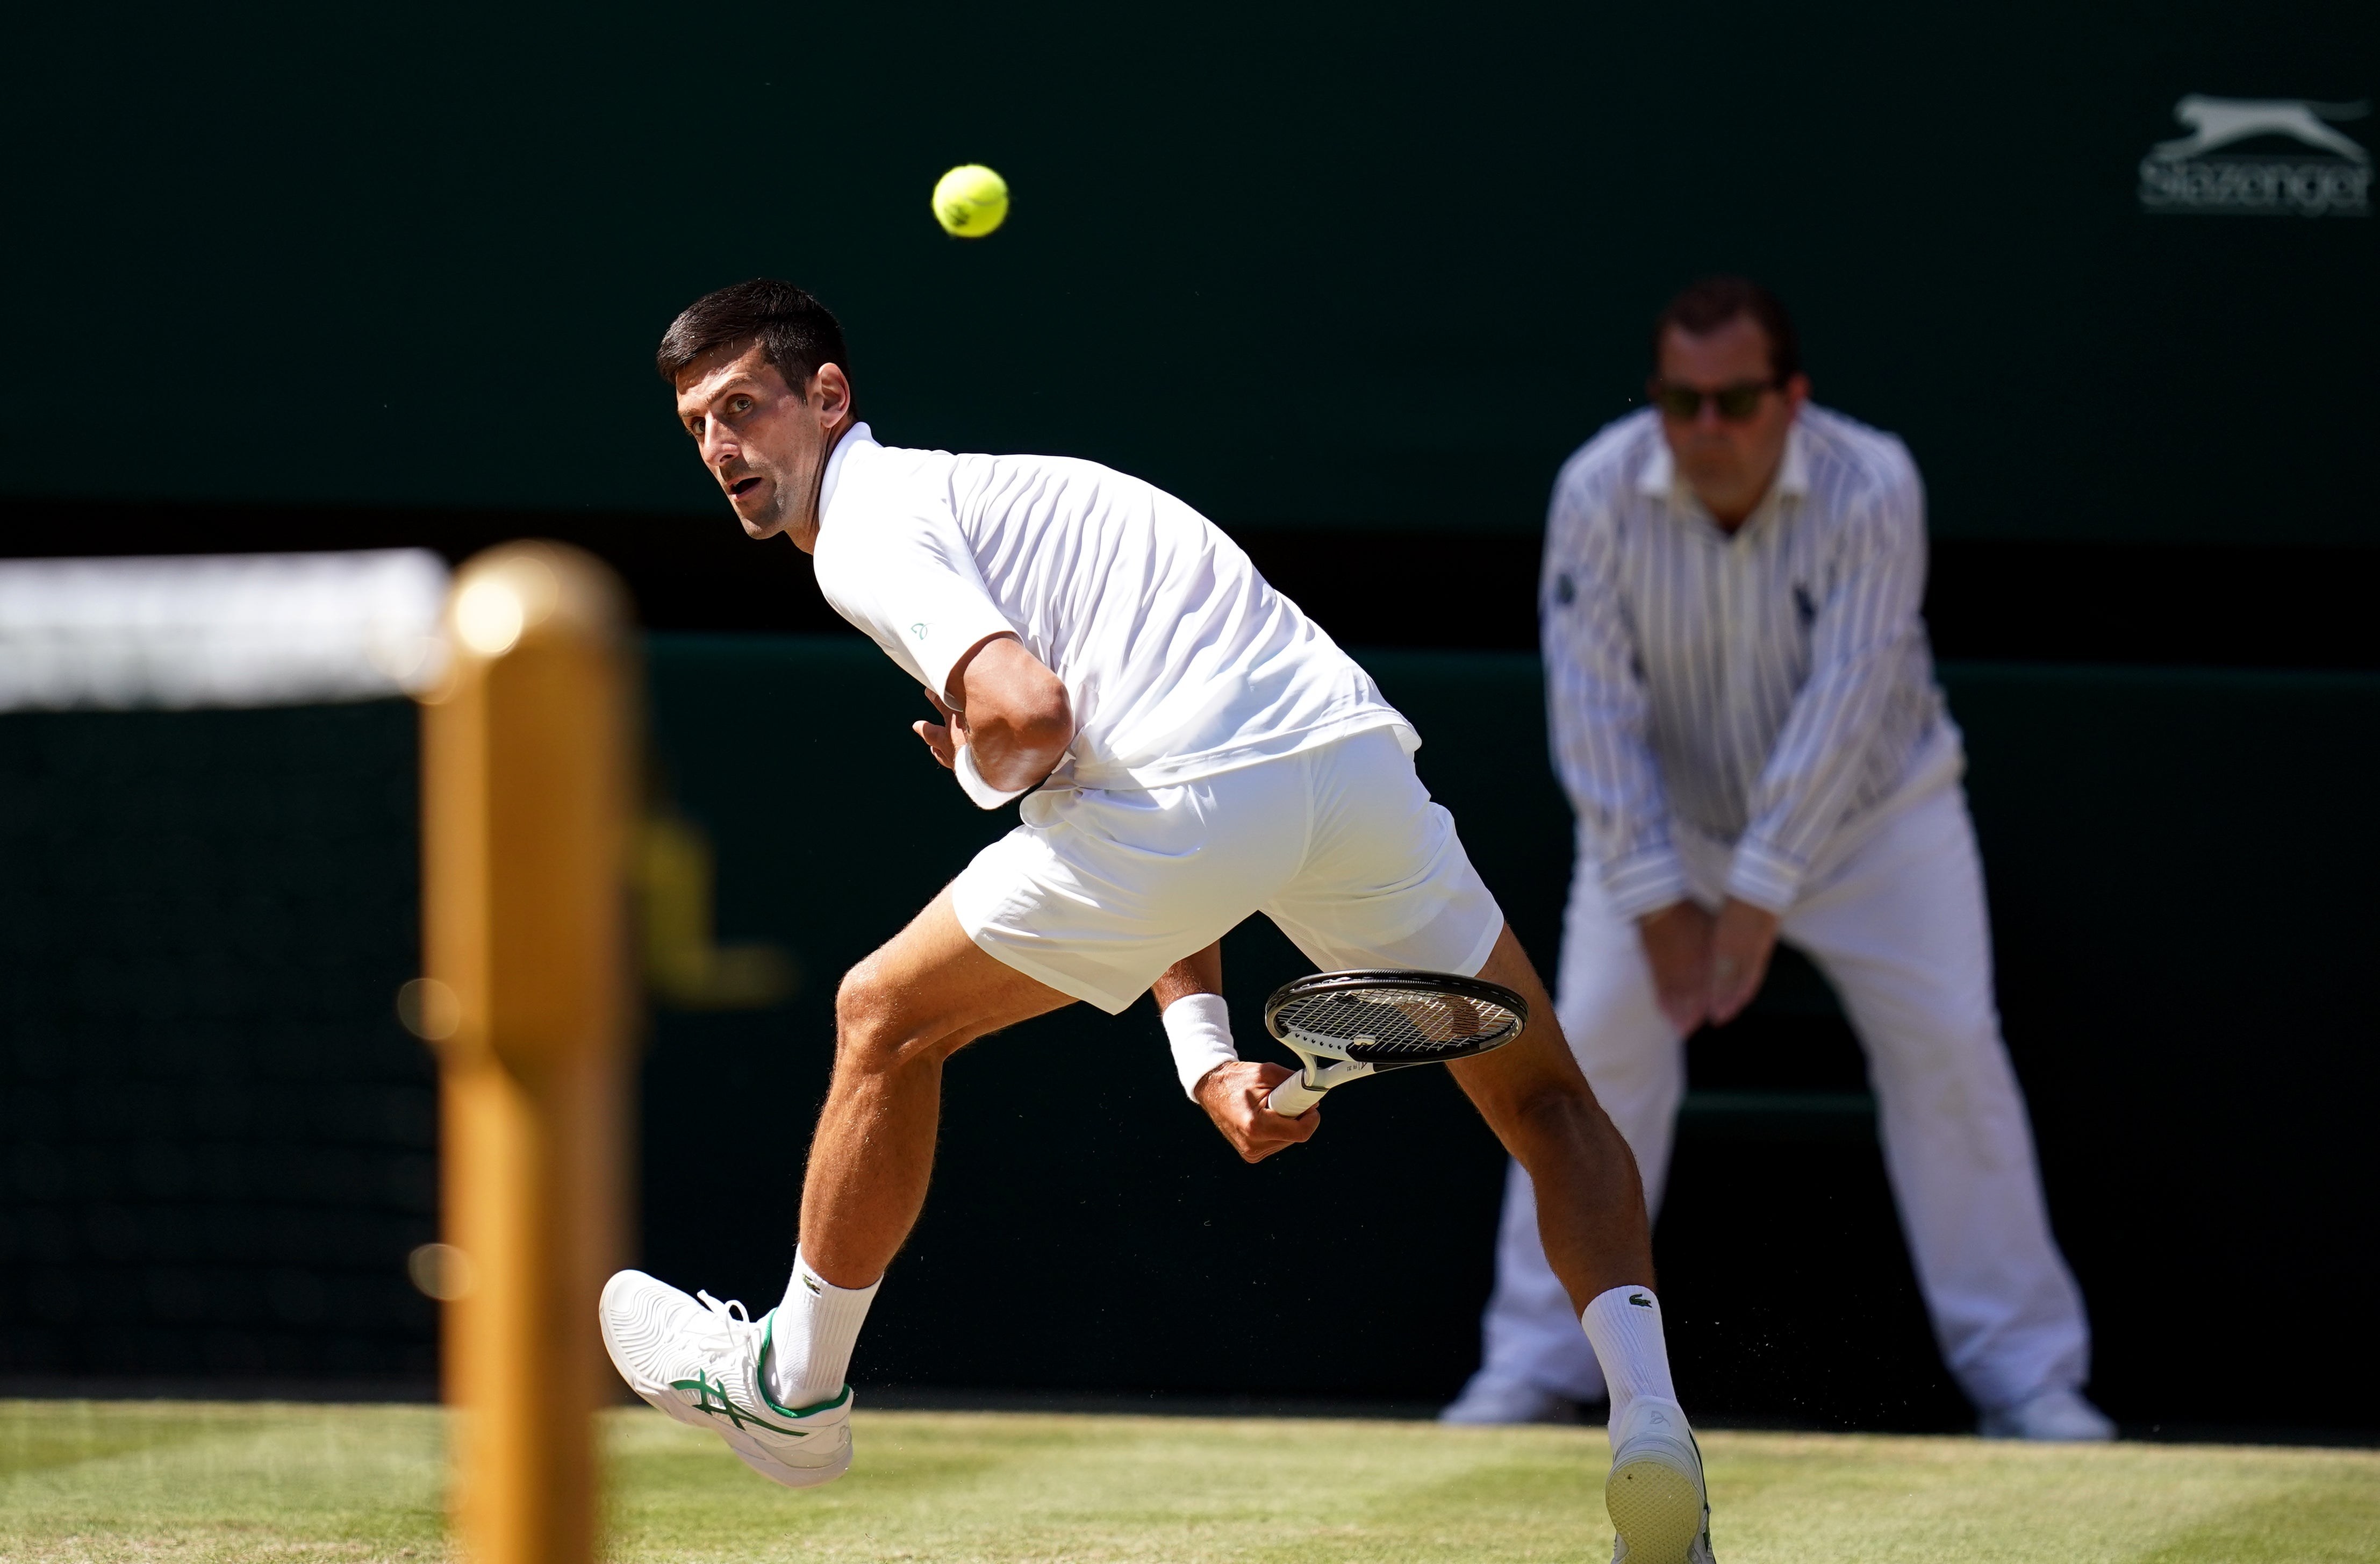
(712, 1400)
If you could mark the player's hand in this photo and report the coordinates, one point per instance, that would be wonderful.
(1677, 941)
(945, 736)
(1233, 1097)
(939, 740)
(1742, 938)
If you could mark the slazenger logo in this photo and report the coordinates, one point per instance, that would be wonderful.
(2180, 176)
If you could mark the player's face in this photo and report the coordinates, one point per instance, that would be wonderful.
(1728, 461)
(763, 439)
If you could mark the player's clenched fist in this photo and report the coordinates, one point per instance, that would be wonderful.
(1233, 1097)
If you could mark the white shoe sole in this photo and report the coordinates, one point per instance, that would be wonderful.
(750, 1452)
(1656, 1509)
(657, 1398)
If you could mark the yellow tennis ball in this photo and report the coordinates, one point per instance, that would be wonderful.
(970, 201)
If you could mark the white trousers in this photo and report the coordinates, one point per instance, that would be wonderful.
(1898, 925)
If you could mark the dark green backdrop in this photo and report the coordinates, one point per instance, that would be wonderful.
(1312, 264)
(215, 1144)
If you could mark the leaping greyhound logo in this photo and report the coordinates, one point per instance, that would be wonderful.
(2218, 122)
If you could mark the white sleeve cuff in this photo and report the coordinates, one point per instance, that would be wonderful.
(1199, 1027)
(1644, 881)
(1764, 876)
(971, 782)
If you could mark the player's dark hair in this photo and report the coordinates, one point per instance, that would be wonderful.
(796, 332)
(1709, 304)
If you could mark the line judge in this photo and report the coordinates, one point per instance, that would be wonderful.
(1745, 718)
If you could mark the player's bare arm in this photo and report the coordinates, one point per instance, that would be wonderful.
(1006, 706)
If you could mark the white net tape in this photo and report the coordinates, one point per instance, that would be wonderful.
(257, 629)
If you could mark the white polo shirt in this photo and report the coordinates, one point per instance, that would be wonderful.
(1179, 659)
(1771, 688)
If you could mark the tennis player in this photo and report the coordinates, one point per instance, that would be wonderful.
(1190, 749)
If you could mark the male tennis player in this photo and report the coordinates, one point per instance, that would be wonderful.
(1194, 749)
(1745, 718)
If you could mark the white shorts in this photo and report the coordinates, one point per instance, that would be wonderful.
(1099, 890)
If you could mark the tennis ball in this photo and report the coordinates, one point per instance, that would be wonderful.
(970, 201)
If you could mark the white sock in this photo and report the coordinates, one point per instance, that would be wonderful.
(1625, 1326)
(1199, 1027)
(811, 1337)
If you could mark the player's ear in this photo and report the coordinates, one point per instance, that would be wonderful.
(830, 391)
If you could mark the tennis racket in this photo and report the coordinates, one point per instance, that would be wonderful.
(1344, 1026)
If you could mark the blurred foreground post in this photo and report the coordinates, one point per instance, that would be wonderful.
(525, 817)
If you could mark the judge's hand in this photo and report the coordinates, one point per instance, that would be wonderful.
(1742, 938)
(1677, 941)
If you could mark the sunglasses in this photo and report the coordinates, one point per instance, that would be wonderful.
(1736, 403)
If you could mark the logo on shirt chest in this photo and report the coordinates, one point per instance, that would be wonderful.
(918, 630)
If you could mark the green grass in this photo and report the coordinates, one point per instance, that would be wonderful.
(179, 1482)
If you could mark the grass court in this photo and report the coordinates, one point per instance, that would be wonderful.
(163, 1481)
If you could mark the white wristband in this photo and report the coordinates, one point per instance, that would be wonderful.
(1199, 1027)
(971, 782)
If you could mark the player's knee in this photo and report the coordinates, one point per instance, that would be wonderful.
(873, 1031)
(866, 1029)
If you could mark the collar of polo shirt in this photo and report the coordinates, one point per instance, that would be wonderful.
(858, 435)
(1660, 472)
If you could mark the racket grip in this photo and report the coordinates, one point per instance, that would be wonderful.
(1293, 1097)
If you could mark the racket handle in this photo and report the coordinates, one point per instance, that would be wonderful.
(1293, 1097)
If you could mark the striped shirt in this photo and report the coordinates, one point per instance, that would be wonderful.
(1764, 689)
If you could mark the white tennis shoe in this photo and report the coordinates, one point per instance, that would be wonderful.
(1658, 1506)
(705, 1363)
(2054, 1416)
(1488, 1402)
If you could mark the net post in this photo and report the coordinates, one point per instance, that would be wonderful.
(527, 796)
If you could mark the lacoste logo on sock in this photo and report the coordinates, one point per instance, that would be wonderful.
(811, 1282)
(1640, 1301)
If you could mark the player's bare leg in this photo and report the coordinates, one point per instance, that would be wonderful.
(773, 1387)
(1590, 1203)
(902, 1012)
(1591, 1217)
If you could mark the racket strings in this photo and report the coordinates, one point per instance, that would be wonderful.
(1382, 1024)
